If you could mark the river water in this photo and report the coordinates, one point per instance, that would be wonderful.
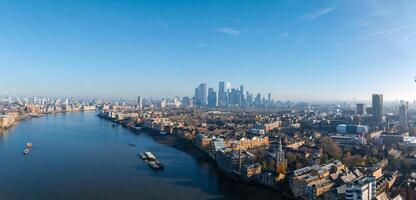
(80, 156)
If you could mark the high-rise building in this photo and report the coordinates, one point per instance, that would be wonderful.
(403, 119)
(186, 102)
(257, 100)
(212, 98)
(377, 108)
(360, 109)
(201, 95)
(241, 96)
(222, 100)
(269, 98)
(139, 102)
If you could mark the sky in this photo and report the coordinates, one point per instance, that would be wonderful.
(295, 50)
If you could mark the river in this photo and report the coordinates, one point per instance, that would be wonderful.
(81, 156)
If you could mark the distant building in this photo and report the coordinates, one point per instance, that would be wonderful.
(163, 103)
(212, 98)
(139, 102)
(352, 129)
(201, 95)
(186, 102)
(360, 109)
(222, 101)
(377, 106)
(403, 119)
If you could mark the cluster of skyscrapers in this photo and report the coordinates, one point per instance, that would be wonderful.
(377, 111)
(227, 97)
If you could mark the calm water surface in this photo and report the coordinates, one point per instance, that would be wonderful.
(80, 156)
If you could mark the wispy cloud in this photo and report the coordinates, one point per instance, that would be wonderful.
(228, 30)
(386, 32)
(317, 13)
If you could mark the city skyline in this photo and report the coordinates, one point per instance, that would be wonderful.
(329, 50)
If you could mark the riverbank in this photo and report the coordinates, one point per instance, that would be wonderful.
(187, 146)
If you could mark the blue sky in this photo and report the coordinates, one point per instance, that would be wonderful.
(299, 50)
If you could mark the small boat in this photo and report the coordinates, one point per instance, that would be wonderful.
(161, 166)
(132, 145)
(153, 165)
(113, 125)
(29, 145)
(143, 156)
(26, 151)
(150, 156)
(163, 133)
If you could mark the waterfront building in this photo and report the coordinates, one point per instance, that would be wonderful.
(231, 161)
(7, 120)
(202, 142)
(250, 171)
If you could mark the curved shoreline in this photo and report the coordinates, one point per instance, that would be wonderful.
(187, 147)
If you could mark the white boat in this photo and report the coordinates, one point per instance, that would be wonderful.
(150, 156)
(26, 151)
(29, 145)
(163, 133)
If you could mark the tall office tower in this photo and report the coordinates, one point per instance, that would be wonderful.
(221, 94)
(269, 98)
(139, 102)
(377, 108)
(241, 96)
(403, 117)
(234, 97)
(360, 109)
(201, 95)
(249, 99)
(212, 98)
(257, 100)
(186, 102)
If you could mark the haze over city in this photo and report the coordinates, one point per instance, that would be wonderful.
(296, 50)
